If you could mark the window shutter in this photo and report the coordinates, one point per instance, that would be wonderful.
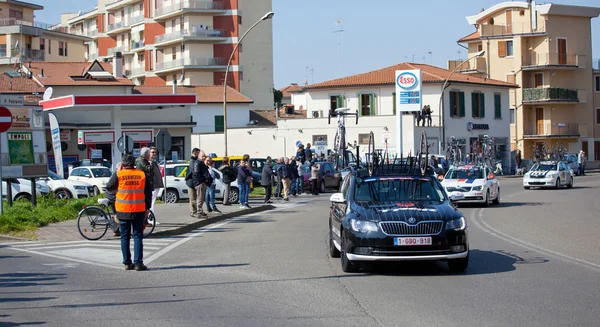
(502, 49)
(219, 124)
(372, 104)
(474, 105)
(360, 105)
(461, 104)
(394, 104)
(482, 104)
(452, 104)
(340, 101)
(497, 106)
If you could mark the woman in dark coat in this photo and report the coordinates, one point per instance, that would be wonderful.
(265, 179)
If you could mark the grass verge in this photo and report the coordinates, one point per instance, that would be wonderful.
(22, 219)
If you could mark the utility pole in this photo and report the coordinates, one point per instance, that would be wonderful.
(339, 30)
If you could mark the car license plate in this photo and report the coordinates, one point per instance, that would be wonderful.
(410, 241)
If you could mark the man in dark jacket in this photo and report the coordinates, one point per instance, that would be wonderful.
(200, 179)
(284, 175)
(133, 202)
(229, 176)
(300, 154)
(293, 173)
(265, 179)
(308, 152)
(278, 179)
(189, 181)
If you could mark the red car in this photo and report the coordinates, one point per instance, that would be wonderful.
(329, 178)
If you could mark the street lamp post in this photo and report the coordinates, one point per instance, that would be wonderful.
(442, 117)
(267, 16)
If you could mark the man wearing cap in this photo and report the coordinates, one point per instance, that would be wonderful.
(132, 204)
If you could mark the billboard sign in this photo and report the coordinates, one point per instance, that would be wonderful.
(408, 90)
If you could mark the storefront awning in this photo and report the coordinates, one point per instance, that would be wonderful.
(126, 101)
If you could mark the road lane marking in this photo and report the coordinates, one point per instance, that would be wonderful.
(489, 229)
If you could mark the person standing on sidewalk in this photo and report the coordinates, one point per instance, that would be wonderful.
(243, 180)
(210, 189)
(315, 169)
(293, 176)
(143, 163)
(229, 175)
(283, 173)
(201, 178)
(266, 179)
(300, 180)
(189, 181)
(157, 176)
(133, 201)
(278, 178)
(308, 152)
(580, 159)
(300, 153)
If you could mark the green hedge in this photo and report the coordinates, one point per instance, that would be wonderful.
(22, 216)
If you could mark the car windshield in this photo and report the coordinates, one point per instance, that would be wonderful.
(101, 172)
(543, 167)
(465, 173)
(396, 189)
(54, 176)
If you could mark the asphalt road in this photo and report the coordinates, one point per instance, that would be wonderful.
(534, 262)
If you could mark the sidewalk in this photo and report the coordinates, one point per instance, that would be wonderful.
(173, 219)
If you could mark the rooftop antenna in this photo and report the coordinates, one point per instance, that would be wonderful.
(458, 54)
(339, 30)
(430, 53)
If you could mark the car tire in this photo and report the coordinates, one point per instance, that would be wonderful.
(487, 199)
(234, 195)
(333, 251)
(458, 265)
(96, 190)
(347, 265)
(171, 196)
(23, 196)
(557, 186)
(322, 186)
(570, 185)
(497, 199)
(63, 194)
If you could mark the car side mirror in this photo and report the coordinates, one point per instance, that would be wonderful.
(337, 198)
(456, 196)
(491, 176)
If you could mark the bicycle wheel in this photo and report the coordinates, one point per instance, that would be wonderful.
(92, 223)
(149, 224)
(370, 155)
(336, 146)
(342, 149)
(424, 150)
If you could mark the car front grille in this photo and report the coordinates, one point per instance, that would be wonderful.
(458, 189)
(402, 228)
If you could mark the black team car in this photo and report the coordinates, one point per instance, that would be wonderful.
(396, 213)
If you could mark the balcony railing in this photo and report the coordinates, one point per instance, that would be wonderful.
(112, 51)
(190, 4)
(122, 24)
(474, 65)
(136, 19)
(136, 45)
(548, 128)
(512, 29)
(202, 62)
(553, 60)
(14, 21)
(200, 33)
(136, 71)
(550, 94)
(26, 54)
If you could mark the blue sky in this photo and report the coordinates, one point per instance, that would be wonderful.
(377, 33)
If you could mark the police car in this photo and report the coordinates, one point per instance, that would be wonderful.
(549, 174)
(477, 183)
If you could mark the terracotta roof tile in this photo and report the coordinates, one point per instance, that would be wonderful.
(19, 85)
(59, 73)
(206, 93)
(268, 117)
(471, 37)
(288, 90)
(386, 76)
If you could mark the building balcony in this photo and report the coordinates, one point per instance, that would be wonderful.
(135, 47)
(112, 51)
(208, 64)
(14, 21)
(195, 6)
(118, 4)
(473, 66)
(541, 61)
(24, 54)
(546, 129)
(137, 19)
(552, 95)
(521, 28)
(135, 72)
(196, 35)
(116, 28)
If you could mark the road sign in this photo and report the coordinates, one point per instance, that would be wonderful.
(163, 141)
(125, 144)
(5, 119)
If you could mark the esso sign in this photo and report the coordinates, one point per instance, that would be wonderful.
(406, 81)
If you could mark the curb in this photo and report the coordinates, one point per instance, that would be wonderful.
(10, 238)
(204, 222)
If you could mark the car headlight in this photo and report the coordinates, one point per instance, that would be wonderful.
(457, 224)
(552, 175)
(42, 188)
(77, 187)
(363, 226)
(477, 188)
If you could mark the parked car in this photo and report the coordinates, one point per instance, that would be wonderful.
(98, 176)
(571, 160)
(21, 189)
(549, 174)
(177, 189)
(329, 178)
(67, 189)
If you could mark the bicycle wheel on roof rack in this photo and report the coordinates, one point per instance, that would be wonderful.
(370, 154)
(423, 153)
(336, 146)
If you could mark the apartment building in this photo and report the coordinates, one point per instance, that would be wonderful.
(545, 49)
(22, 39)
(596, 76)
(187, 41)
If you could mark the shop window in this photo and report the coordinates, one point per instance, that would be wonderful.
(178, 146)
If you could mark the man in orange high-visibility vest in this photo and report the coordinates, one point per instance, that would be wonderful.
(133, 202)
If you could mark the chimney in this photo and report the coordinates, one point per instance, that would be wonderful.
(118, 65)
(174, 86)
(42, 72)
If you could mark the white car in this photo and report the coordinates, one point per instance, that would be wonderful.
(477, 183)
(549, 174)
(98, 176)
(21, 189)
(178, 190)
(68, 189)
